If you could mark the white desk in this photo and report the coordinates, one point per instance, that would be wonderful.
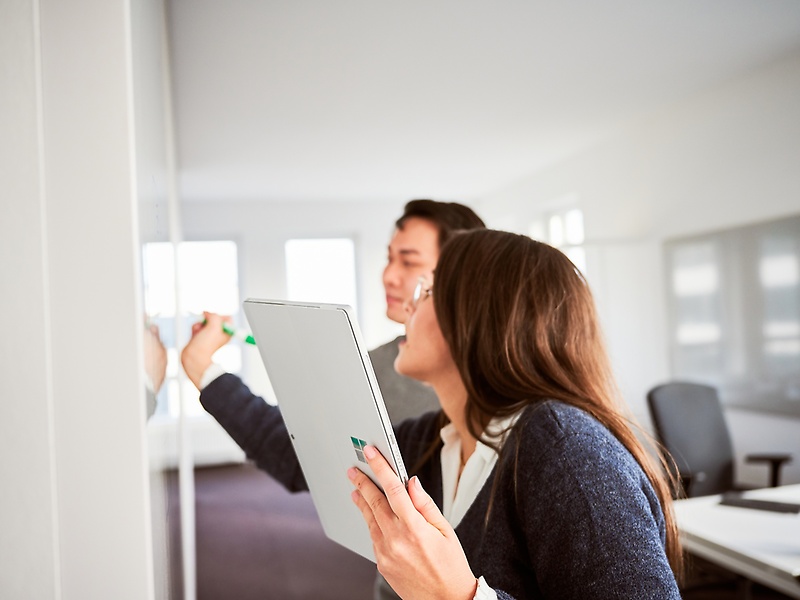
(761, 545)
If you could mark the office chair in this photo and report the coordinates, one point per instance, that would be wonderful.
(690, 425)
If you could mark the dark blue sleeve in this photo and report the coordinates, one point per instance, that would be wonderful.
(257, 427)
(593, 523)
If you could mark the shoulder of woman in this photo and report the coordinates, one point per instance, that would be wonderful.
(563, 447)
(557, 432)
(556, 420)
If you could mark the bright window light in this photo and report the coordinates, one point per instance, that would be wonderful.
(573, 227)
(537, 230)
(159, 278)
(562, 229)
(209, 277)
(691, 334)
(321, 270)
(577, 254)
(697, 280)
(782, 348)
(782, 329)
(779, 271)
(556, 231)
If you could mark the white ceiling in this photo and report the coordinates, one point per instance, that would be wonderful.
(451, 99)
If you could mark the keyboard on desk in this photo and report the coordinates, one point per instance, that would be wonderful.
(736, 499)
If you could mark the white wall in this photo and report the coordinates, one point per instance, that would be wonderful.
(728, 157)
(74, 507)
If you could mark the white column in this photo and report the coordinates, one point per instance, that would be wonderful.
(74, 507)
(29, 557)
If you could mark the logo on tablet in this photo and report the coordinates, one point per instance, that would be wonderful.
(358, 446)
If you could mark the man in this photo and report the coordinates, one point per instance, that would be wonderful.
(413, 252)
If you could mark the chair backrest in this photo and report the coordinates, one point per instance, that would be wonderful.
(690, 424)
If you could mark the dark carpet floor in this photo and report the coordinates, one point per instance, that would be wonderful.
(255, 540)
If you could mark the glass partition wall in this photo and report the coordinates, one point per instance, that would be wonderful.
(170, 459)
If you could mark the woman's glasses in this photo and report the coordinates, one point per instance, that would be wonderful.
(422, 291)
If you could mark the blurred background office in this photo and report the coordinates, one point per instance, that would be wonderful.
(168, 156)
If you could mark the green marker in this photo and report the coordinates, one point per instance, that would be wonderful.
(239, 335)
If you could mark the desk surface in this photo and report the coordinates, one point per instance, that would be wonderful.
(761, 545)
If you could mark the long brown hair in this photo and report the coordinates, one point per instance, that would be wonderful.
(520, 322)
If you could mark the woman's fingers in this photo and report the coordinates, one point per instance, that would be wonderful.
(425, 505)
(393, 489)
(405, 503)
(369, 493)
(416, 549)
(375, 532)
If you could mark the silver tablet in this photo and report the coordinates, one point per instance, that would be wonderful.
(330, 401)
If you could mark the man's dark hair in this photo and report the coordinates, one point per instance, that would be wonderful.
(448, 217)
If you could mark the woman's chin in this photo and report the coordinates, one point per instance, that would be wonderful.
(416, 376)
(407, 370)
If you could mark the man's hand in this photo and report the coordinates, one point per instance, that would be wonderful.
(207, 338)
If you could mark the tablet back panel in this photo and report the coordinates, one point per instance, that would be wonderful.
(330, 401)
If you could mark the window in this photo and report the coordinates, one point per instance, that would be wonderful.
(564, 230)
(181, 282)
(779, 275)
(321, 270)
(734, 309)
(697, 291)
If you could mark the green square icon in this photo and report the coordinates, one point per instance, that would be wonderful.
(358, 446)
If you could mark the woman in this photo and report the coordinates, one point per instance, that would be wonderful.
(544, 490)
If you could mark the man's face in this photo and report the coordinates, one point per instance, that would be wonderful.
(413, 251)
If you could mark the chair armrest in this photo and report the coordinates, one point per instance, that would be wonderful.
(775, 461)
